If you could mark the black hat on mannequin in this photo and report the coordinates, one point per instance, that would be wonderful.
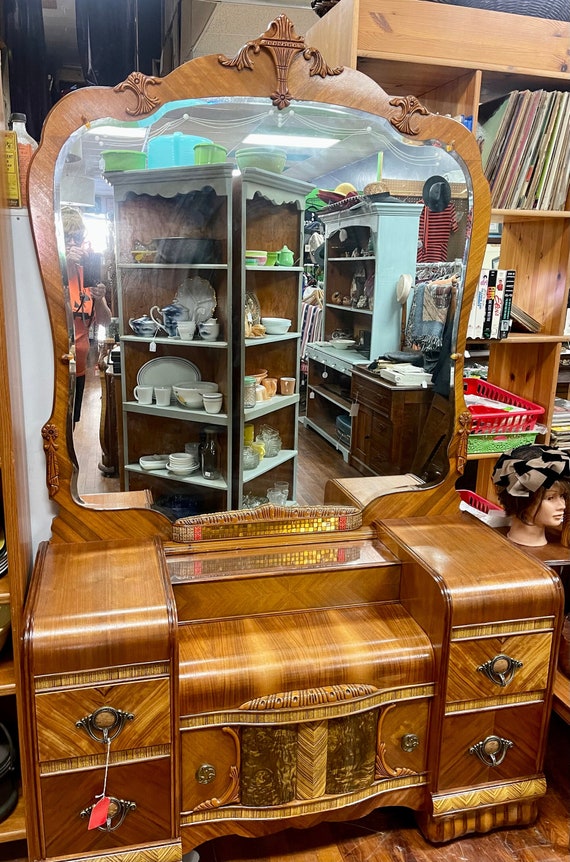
(436, 194)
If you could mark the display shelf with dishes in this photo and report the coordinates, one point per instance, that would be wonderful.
(175, 318)
(271, 211)
(366, 251)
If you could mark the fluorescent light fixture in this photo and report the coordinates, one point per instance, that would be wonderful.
(306, 142)
(125, 132)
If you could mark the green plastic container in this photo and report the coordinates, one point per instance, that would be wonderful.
(124, 160)
(209, 154)
(481, 444)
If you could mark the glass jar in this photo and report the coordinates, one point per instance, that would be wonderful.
(210, 454)
(249, 384)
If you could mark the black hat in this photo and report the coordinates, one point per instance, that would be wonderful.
(436, 194)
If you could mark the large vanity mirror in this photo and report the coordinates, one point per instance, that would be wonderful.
(167, 231)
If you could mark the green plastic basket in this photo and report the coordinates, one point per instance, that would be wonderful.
(481, 444)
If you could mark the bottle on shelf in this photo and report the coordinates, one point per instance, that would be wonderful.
(26, 148)
(209, 454)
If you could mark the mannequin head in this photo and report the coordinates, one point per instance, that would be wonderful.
(533, 486)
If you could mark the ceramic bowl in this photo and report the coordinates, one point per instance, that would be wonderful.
(276, 325)
(266, 158)
(260, 257)
(153, 462)
(260, 374)
(190, 394)
(4, 624)
(343, 343)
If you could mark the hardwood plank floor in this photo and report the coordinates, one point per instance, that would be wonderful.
(390, 835)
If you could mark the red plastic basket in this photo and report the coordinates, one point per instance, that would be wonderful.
(477, 502)
(522, 416)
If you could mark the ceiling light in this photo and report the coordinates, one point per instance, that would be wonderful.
(303, 141)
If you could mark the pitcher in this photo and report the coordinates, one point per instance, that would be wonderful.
(170, 315)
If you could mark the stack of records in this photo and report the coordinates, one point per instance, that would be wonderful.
(560, 430)
(3, 555)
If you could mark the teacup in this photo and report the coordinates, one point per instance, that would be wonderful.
(186, 329)
(287, 385)
(143, 394)
(162, 395)
(212, 401)
(209, 330)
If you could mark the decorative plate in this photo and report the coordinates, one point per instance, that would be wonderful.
(199, 297)
(167, 371)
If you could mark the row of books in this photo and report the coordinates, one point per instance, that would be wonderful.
(491, 312)
(528, 163)
(560, 429)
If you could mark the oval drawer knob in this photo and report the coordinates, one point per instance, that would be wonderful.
(105, 723)
(492, 750)
(118, 810)
(500, 669)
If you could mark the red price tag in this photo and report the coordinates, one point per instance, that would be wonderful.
(99, 813)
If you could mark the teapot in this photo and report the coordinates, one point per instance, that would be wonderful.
(170, 315)
(285, 257)
(144, 326)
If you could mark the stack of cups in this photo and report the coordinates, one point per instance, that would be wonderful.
(278, 493)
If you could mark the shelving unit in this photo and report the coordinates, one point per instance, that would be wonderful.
(407, 49)
(258, 210)
(375, 246)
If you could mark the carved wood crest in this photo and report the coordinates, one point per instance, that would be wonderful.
(409, 106)
(283, 43)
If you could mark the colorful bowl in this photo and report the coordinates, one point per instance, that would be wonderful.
(124, 160)
(209, 154)
(266, 158)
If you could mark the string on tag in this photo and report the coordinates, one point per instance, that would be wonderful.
(100, 811)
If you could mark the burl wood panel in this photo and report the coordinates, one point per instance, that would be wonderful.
(351, 752)
(268, 775)
(466, 682)
(488, 577)
(121, 614)
(57, 713)
(64, 796)
(521, 725)
(225, 663)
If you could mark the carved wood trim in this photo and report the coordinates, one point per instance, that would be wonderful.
(50, 435)
(382, 767)
(138, 84)
(309, 697)
(409, 106)
(464, 427)
(232, 791)
(282, 43)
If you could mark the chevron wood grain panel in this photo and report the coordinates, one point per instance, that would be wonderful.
(171, 852)
(465, 682)
(364, 573)
(522, 725)
(312, 759)
(57, 713)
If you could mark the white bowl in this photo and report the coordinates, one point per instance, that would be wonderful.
(276, 325)
(153, 462)
(343, 343)
(190, 394)
(182, 471)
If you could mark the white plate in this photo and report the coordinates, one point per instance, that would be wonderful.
(199, 297)
(167, 371)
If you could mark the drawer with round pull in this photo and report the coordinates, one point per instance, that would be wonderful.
(139, 809)
(497, 666)
(490, 745)
(77, 721)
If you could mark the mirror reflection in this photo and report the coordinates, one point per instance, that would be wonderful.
(232, 271)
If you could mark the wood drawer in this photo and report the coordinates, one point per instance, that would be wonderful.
(466, 682)
(64, 796)
(521, 725)
(57, 714)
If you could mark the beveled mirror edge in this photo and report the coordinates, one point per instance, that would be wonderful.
(303, 75)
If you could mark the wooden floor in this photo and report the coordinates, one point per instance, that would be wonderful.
(318, 460)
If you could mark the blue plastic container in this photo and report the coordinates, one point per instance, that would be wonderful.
(176, 150)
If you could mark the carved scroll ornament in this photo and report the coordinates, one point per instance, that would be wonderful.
(50, 435)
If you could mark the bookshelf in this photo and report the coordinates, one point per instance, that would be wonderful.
(430, 50)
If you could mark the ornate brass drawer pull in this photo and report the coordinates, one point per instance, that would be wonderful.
(118, 810)
(500, 669)
(409, 742)
(105, 723)
(492, 750)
